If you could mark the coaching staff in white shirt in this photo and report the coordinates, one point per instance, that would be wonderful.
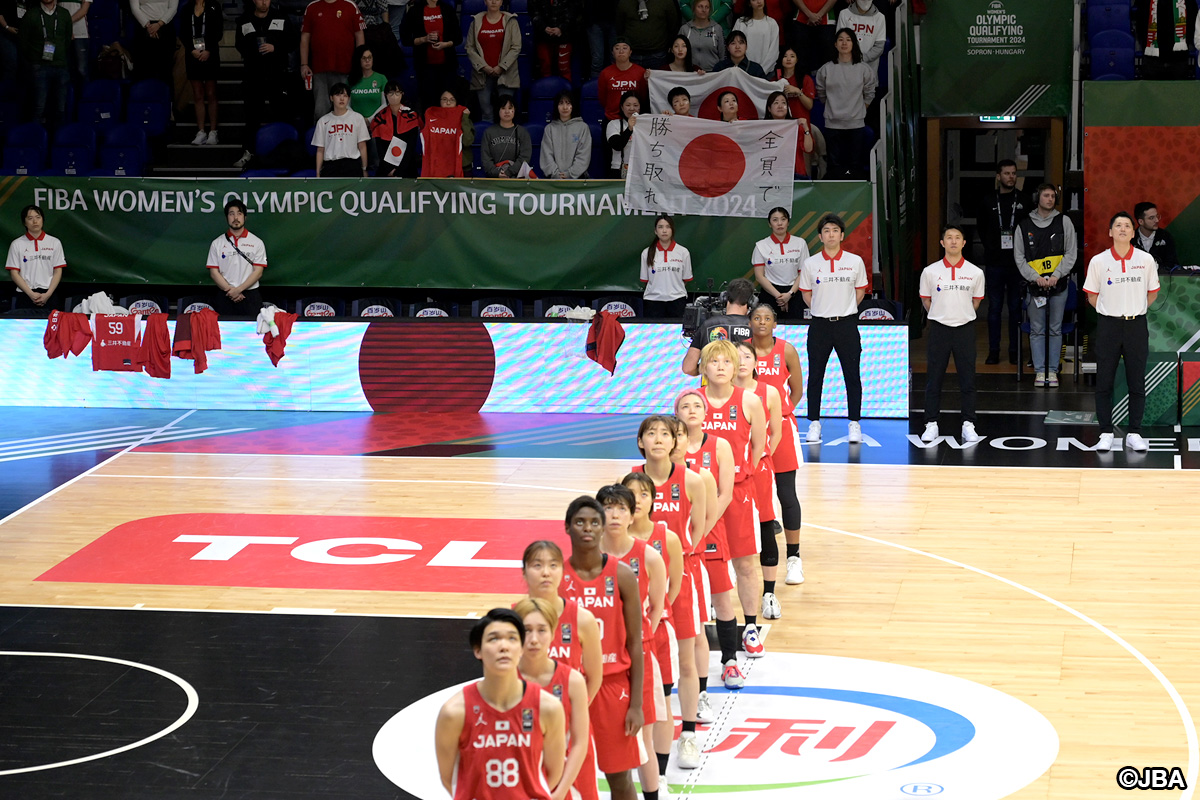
(236, 260)
(1121, 284)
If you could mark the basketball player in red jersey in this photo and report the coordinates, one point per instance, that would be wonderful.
(764, 476)
(577, 640)
(737, 417)
(500, 738)
(609, 589)
(779, 365)
(565, 683)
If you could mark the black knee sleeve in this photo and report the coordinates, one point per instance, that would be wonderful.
(789, 504)
(769, 554)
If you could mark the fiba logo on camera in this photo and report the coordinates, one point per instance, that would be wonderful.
(853, 729)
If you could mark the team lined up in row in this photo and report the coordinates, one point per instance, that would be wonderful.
(649, 557)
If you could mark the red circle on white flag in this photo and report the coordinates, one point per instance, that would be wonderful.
(711, 165)
(395, 151)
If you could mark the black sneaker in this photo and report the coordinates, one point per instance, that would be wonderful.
(993, 357)
(1012, 358)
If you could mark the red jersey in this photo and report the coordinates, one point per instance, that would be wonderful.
(729, 423)
(500, 752)
(66, 333)
(636, 559)
(116, 344)
(760, 389)
(705, 458)
(434, 22)
(154, 355)
(565, 647)
(602, 597)
(441, 143)
(332, 27)
(615, 82)
(658, 540)
(672, 505)
(560, 687)
(491, 39)
(773, 369)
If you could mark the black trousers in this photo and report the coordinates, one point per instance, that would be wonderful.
(342, 168)
(1005, 288)
(1116, 337)
(795, 309)
(265, 102)
(944, 341)
(824, 337)
(249, 307)
(664, 309)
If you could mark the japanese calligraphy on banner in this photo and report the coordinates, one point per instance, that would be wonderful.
(751, 93)
(681, 165)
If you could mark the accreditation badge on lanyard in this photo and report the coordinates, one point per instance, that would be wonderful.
(1006, 239)
(47, 43)
(1006, 231)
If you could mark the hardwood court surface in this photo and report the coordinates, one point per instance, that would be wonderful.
(930, 567)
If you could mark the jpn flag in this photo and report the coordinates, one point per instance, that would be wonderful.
(683, 165)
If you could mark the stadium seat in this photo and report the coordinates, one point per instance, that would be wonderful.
(308, 137)
(600, 153)
(1113, 40)
(145, 303)
(1111, 76)
(305, 173)
(150, 106)
(74, 150)
(266, 173)
(624, 305)
(192, 303)
(271, 135)
(25, 150)
(318, 307)
(100, 103)
(497, 308)
(431, 309)
(536, 129)
(124, 151)
(555, 306)
(589, 102)
(1114, 61)
(541, 98)
(1102, 17)
(375, 307)
(518, 6)
(472, 7)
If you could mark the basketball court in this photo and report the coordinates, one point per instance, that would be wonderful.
(269, 604)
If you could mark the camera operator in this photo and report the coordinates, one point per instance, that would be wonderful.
(733, 325)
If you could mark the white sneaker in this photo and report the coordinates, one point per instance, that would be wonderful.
(770, 606)
(1105, 443)
(969, 434)
(854, 434)
(1039, 379)
(751, 642)
(212, 138)
(244, 160)
(1134, 441)
(1052, 379)
(200, 138)
(704, 709)
(931, 432)
(687, 752)
(795, 571)
(814, 432)
(732, 675)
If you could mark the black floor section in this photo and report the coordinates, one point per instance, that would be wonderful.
(289, 704)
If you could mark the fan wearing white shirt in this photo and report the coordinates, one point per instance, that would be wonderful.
(666, 269)
(762, 35)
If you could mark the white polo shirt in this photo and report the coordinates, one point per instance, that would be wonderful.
(36, 259)
(340, 135)
(833, 283)
(233, 267)
(952, 290)
(780, 258)
(1123, 284)
(672, 268)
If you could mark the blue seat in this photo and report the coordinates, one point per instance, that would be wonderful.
(145, 303)
(375, 307)
(536, 129)
(598, 167)
(624, 305)
(518, 6)
(320, 307)
(124, 151)
(272, 135)
(74, 150)
(497, 308)
(193, 303)
(264, 173)
(555, 306)
(150, 106)
(100, 103)
(1114, 61)
(10, 115)
(1113, 40)
(308, 139)
(305, 173)
(1107, 17)
(25, 150)
(1111, 76)
(433, 309)
(589, 101)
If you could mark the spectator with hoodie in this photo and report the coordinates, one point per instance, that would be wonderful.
(869, 25)
(566, 142)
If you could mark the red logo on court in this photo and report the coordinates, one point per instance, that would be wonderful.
(400, 554)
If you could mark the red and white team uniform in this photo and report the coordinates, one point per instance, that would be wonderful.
(673, 508)
(716, 549)
(115, 343)
(728, 421)
(764, 476)
(652, 699)
(500, 752)
(565, 647)
(665, 641)
(773, 369)
(615, 752)
(584, 787)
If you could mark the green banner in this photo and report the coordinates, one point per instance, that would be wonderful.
(997, 58)
(449, 234)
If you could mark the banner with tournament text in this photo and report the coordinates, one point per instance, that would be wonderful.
(751, 93)
(681, 165)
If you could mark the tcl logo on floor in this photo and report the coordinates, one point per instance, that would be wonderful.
(421, 554)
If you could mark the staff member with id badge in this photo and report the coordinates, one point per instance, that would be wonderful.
(236, 260)
(998, 216)
(1044, 250)
(43, 39)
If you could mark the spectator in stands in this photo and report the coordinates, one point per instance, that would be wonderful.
(869, 26)
(1154, 240)
(777, 108)
(649, 26)
(396, 11)
(154, 42)
(706, 37)
(618, 78)
(45, 36)
(378, 35)
(618, 132)
(762, 34)
(331, 31)
(1045, 252)
(35, 262)
(566, 142)
(847, 86)
(80, 47)
(493, 45)
(1162, 38)
(556, 24)
(395, 130)
(727, 106)
(341, 138)
(374, 12)
(666, 267)
(506, 145)
(366, 91)
(431, 29)
(997, 218)
(681, 102)
(8, 39)
(736, 48)
(719, 11)
(236, 260)
(801, 91)
(811, 34)
(201, 28)
(265, 38)
(601, 28)
(681, 57)
(446, 139)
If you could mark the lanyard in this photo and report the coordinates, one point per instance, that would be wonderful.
(1012, 220)
(203, 23)
(54, 17)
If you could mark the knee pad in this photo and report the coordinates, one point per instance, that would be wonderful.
(789, 503)
(769, 557)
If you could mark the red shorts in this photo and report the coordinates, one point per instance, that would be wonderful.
(741, 526)
(786, 457)
(665, 652)
(685, 611)
(719, 579)
(585, 782)
(615, 752)
(715, 546)
(653, 706)
(764, 490)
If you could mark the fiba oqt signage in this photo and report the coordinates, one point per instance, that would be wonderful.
(818, 727)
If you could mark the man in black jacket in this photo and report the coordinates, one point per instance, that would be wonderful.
(999, 214)
(1154, 240)
(266, 39)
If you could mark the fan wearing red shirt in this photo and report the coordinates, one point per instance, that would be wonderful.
(810, 32)
(331, 31)
(432, 31)
(620, 77)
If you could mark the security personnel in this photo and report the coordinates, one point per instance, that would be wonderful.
(833, 282)
(733, 325)
(951, 291)
(1045, 254)
(1121, 284)
(998, 215)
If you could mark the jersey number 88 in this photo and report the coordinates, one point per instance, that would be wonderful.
(502, 773)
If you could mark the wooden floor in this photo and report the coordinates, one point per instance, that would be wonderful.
(1074, 591)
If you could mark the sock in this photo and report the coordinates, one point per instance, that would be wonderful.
(768, 587)
(662, 762)
(727, 637)
(703, 686)
(793, 550)
(650, 795)
(689, 727)
(751, 621)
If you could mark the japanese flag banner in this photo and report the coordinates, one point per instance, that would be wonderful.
(704, 90)
(681, 165)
